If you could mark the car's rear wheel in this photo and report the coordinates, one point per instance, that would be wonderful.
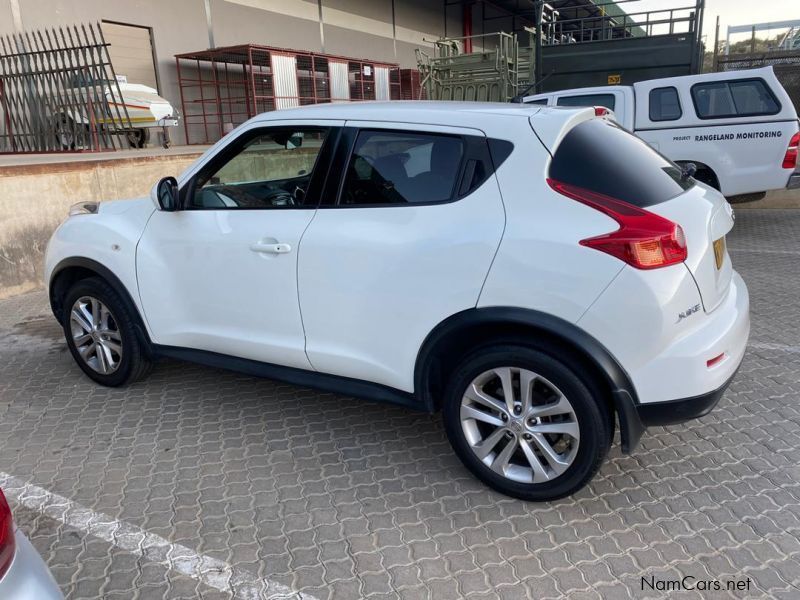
(101, 334)
(526, 424)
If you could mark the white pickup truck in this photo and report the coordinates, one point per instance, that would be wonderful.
(739, 127)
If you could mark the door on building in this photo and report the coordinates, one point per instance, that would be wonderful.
(131, 52)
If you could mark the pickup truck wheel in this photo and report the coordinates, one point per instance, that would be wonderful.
(525, 424)
(101, 335)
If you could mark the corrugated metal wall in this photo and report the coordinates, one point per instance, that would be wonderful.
(340, 84)
(382, 83)
(284, 78)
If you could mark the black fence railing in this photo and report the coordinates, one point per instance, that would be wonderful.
(59, 92)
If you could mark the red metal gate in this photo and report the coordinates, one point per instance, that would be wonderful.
(224, 87)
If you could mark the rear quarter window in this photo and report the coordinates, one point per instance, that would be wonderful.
(665, 105)
(603, 158)
(734, 98)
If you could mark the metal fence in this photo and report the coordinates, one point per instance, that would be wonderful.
(489, 73)
(57, 88)
(786, 64)
(224, 87)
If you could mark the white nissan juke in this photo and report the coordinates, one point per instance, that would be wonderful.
(534, 273)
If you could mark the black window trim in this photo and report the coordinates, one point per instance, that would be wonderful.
(735, 115)
(319, 172)
(349, 137)
(650, 104)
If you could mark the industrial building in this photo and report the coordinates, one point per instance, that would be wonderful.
(146, 36)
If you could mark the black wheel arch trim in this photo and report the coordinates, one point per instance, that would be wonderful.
(623, 392)
(108, 275)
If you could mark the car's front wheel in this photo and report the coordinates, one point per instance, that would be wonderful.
(101, 334)
(525, 423)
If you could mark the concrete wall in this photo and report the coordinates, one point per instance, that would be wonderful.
(356, 28)
(34, 199)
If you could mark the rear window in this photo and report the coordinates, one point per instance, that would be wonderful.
(606, 100)
(601, 157)
(738, 98)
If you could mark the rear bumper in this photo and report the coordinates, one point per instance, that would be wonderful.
(680, 411)
(28, 577)
(794, 182)
(692, 389)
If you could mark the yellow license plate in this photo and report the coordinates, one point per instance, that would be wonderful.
(719, 252)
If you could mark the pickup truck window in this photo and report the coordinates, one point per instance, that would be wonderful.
(665, 104)
(606, 100)
(736, 98)
(603, 158)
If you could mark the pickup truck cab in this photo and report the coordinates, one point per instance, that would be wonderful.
(739, 128)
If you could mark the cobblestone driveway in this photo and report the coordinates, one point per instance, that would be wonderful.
(339, 498)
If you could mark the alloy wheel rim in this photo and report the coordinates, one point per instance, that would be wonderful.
(96, 335)
(519, 425)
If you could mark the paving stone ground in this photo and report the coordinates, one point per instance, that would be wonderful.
(339, 498)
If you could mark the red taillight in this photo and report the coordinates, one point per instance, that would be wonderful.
(715, 361)
(600, 111)
(790, 158)
(644, 240)
(7, 544)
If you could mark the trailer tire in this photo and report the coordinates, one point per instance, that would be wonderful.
(64, 131)
(138, 138)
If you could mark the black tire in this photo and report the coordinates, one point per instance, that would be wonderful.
(138, 138)
(743, 198)
(65, 131)
(708, 177)
(134, 363)
(592, 414)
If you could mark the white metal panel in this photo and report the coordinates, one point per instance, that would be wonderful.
(284, 81)
(382, 83)
(340, 84)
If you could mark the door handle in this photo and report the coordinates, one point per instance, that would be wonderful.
(271, 248)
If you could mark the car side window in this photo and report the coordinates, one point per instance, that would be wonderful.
(665, 104)
(399, 167)
(266, 169)
(606, 100)
(539, 101)
(737, 98)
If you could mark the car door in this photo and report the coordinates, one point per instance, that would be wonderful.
(220, 274)
(405, 243)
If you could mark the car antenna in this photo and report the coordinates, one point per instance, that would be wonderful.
(521, 96)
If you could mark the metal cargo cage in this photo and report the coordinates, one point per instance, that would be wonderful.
(224, 87)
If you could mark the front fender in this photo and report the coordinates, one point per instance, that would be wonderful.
(104, 243)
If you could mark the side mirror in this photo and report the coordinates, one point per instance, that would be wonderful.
(166, 192)
(294, 141)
